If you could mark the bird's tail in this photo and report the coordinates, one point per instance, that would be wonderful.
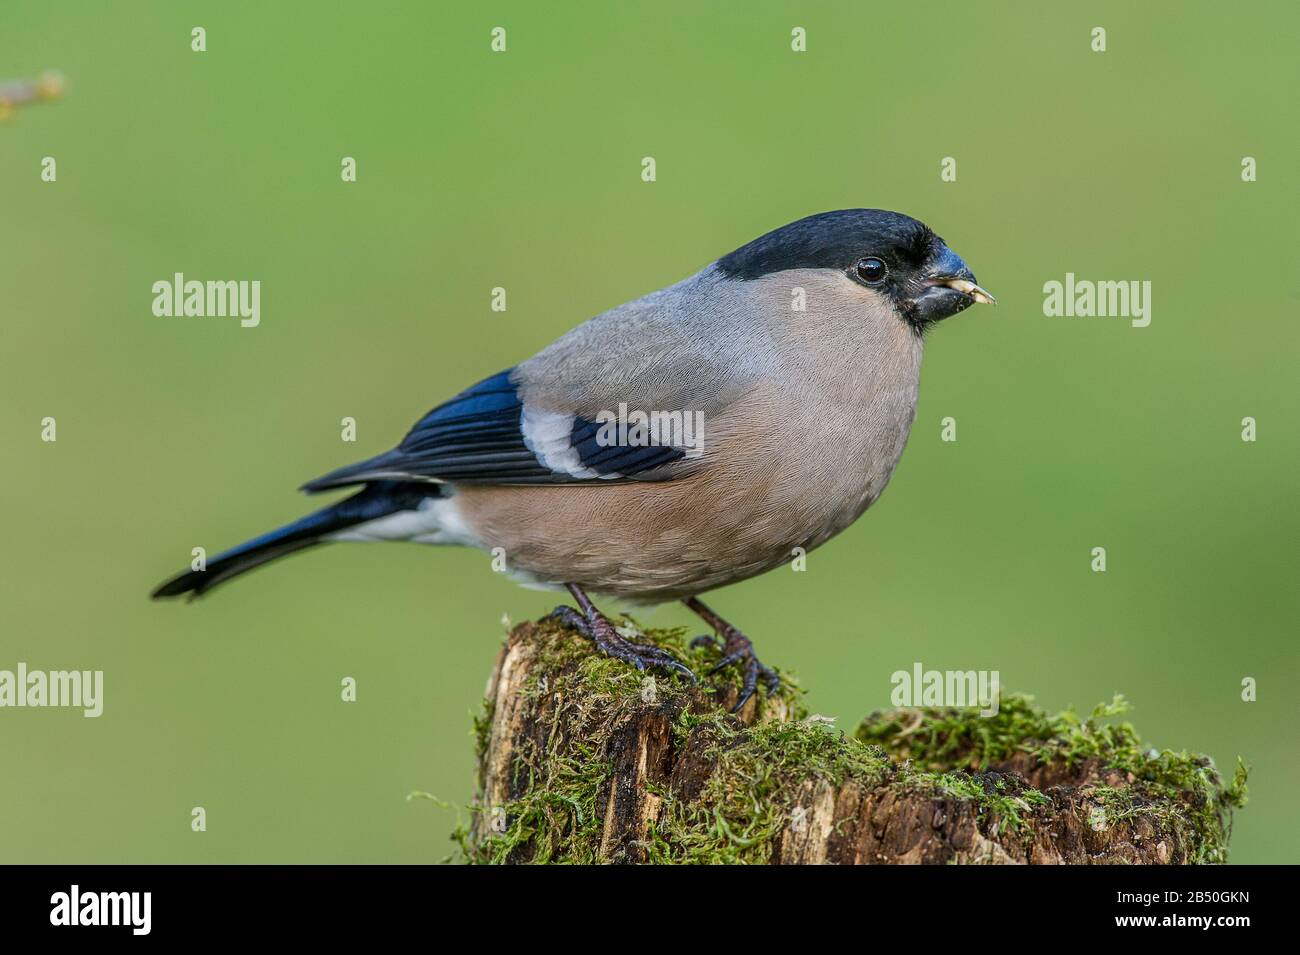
(375, 500)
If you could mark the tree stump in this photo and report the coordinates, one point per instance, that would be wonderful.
(584, 759)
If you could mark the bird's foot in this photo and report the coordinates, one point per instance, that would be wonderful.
(737, 648)
(595, 626)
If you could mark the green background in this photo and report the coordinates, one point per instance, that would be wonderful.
(523, 170)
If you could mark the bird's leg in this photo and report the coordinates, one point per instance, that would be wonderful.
(595, 626)
(736, 648)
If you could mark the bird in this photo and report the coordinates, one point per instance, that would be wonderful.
(689, 439)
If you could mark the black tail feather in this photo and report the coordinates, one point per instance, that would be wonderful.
(374, 501)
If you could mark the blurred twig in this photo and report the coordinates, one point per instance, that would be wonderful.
(15, 93)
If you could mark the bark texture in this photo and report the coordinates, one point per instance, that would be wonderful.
(584, 759)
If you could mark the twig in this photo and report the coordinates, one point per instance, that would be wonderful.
(15, 93)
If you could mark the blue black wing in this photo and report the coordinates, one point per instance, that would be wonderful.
(480, 437)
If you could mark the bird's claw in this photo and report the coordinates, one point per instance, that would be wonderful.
(737, 648)
(610, 642)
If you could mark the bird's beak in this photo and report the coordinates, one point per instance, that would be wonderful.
(951, 272)
(947, 287)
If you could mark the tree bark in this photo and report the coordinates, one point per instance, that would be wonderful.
(584, 759)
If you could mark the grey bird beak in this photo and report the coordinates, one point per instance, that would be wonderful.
(948, 287)
(949, 271)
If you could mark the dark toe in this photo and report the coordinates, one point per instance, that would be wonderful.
(568, 617)
(734, 656)
(642, 655)
(659, 657)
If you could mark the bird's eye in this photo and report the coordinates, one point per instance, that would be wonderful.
(872, 270)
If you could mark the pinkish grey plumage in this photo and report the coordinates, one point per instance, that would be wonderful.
(800, 353)
(806, 415)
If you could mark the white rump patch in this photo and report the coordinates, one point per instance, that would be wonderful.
(437, 521)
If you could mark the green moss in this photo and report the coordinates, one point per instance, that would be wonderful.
(556, 818)
(562, 654)
(761, 774)
(1001, 803)
(1179, 790)
(936, 738)
(557, 822)
(481, 728)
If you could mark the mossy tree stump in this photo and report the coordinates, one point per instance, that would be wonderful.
(584, 759)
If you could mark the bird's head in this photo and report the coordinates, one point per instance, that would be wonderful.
(875, 254)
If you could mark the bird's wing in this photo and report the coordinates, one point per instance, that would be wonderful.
(491, 434)
(544, 421)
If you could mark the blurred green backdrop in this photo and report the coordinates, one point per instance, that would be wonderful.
(523, 170)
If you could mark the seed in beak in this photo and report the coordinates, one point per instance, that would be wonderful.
(971, 289)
